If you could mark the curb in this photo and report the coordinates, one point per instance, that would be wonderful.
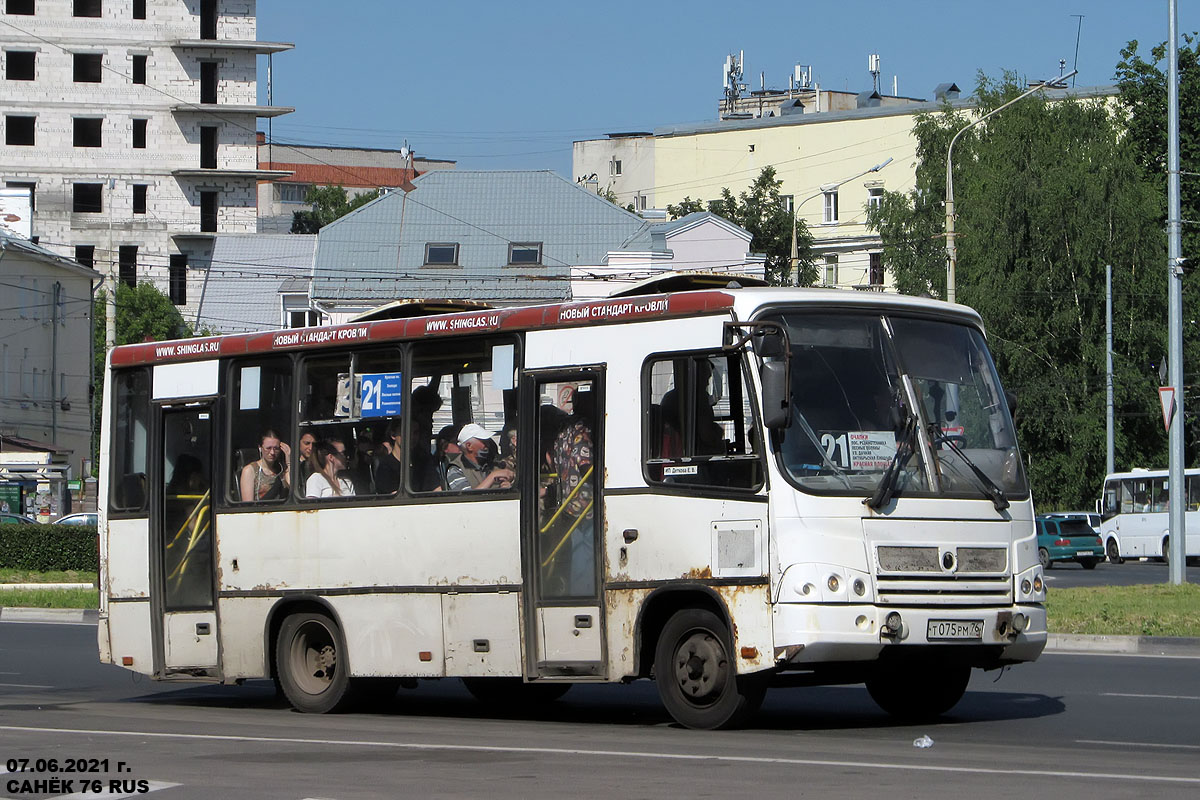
(35, 586)
(1123, 645)
(60, 615)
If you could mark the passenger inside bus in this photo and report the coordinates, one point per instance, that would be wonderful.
(305, 449)
(445, 448)
(472, 468)
(331, 480)
(567, 513)
(267, 477)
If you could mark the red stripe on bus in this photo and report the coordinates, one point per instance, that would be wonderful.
(561, 315)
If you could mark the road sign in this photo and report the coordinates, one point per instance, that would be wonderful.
(1166, 396)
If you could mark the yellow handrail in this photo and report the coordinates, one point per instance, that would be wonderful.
(567, 535)
(566, 500)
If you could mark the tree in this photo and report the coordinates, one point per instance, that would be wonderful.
(1047, 193)
(1143, 94)
(761, 211)
(328, 203)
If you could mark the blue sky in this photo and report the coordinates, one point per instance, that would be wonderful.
(504, 85)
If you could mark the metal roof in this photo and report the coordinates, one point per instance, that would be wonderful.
(241, 291)
(377, 252)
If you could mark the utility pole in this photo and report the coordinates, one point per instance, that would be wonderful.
(1110, 463)
(110, 304)
(1177, 525)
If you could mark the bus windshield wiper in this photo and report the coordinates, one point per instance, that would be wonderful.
(986, 485)
(891, 476)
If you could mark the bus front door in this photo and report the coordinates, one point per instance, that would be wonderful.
(183, 543)
(562, 519)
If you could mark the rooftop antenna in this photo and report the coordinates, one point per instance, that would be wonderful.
(873, 68)
(803, 75)
(1078, 31)
(731, 80)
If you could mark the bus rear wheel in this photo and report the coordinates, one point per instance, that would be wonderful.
(311, 665)
(918, 692)
(1113, 552)
(697, 675)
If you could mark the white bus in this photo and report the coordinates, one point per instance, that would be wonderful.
(720, 490)
(1134, 514)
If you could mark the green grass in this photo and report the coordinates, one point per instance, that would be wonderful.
(1149, 610)
(56, 576)
(50, 598)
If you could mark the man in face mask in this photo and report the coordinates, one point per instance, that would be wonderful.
(471, 469)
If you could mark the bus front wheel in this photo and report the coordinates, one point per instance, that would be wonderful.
(311, 665)
(697, 675)
(918, 692)
(1044, 558)
(1114, 552)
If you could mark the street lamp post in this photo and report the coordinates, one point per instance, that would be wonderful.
(951, 256)
(828, 187)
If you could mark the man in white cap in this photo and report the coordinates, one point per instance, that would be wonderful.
(470, 469)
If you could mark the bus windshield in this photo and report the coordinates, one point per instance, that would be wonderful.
(873, 394)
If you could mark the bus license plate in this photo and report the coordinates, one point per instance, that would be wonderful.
(954, 629)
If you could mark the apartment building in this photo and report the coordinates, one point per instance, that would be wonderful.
(132, 125)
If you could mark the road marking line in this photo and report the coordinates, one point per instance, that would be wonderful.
(153, 786)
(1139, 744)
(26, 686)
(1156, 696)
(1099, 653)
(625, 754)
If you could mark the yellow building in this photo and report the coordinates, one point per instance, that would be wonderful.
(832, 165)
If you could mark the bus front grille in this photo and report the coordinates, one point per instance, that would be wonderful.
(928, 575)
(931, 590)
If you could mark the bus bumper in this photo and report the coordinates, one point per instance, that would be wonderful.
(807, 634)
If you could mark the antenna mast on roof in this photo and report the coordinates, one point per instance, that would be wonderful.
(873, 68)
(731, 80)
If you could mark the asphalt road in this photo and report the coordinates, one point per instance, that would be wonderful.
(1068, 726)
(1069, 574)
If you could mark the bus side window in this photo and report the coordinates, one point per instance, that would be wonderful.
(261, 403)
(455, 383)
(131, 440)
(698, 423)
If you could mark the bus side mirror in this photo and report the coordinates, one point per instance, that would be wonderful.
(776, 395)
(770, 343)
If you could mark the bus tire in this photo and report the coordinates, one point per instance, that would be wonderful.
(697, 675)
(311, 664)
(514, 692)
(918, 692)
(1166, 550)
(1044, 558)
(1113, 552)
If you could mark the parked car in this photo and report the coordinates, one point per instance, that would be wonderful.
(82, 518)
(1092, 517)
(1068, 538)
(6, 517)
